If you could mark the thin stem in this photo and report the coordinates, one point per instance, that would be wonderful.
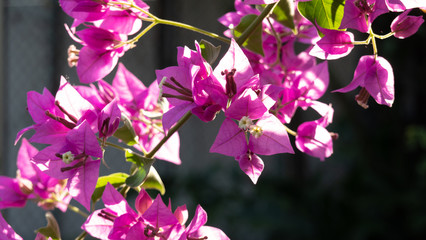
(115, 146)
(192, 28)
(250, 29)
(384, 36)
(366, 42)
(373, 42)
(77, 210)
(81, 236)
(137, 37)
(169, 134)
(291, 132)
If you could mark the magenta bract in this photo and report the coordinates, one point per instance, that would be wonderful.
(376, 76)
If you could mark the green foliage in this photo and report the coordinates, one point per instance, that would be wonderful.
(141, 171)
(254, 41)
(116, 179)
(326, 13)
(153, 181)
(284, 13)
(209, 51)
(126, 133)
(51, 229)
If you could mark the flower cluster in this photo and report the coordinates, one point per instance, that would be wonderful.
(258, 85)
(151, 220)
(104, 38)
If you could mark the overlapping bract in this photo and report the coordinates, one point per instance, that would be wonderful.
(151, 220)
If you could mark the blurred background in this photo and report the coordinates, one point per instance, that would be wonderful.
(372, 187)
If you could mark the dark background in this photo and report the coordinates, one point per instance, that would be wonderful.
(372, 187)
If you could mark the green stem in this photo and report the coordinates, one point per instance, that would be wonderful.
(290, 131)
(77, 210)
(169, 134)
(115, 146)
(194, 29)
(81, 236)
(373, 42)
(250, 29)
(384, 36)
(366, 42)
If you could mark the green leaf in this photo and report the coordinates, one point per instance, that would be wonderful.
(115, 179)
(153, 181)
(209, 51)
(326, 13)
(254, 41)
(284, 13)
(126, 133)
(143, 166)
(51, 229)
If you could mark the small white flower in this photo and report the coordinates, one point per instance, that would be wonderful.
(256, 131)
(245, 123)
(68, 157)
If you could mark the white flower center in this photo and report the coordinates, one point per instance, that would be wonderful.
(256, 131)
(68, 157)
(245, 123)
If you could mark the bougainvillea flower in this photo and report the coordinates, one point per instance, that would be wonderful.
(313, 138)
(99, 97)
(334, 45)
(359, 14)
(55, 116)
(404, 26)
(11, 193)
(72, 159)
(151, 220)
(306, 87)
(142, 106)
(184, 86)
(85, 10)
(234, 75)
(268, 136)
(6, 231)
(99, 54)
(375, 75)
(31, 183)
(197, 230)
(109, 119)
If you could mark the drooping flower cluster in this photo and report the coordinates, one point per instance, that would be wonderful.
(373, 74)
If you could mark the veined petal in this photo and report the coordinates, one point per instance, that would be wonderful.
(274, 138)
(251, 164)
(82, 185)
(230, 140)
(379, 80)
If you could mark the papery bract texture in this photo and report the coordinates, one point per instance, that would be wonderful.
(6, 231)
(314, 140)
(404, 26)
(376, 75)
(334, 45)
